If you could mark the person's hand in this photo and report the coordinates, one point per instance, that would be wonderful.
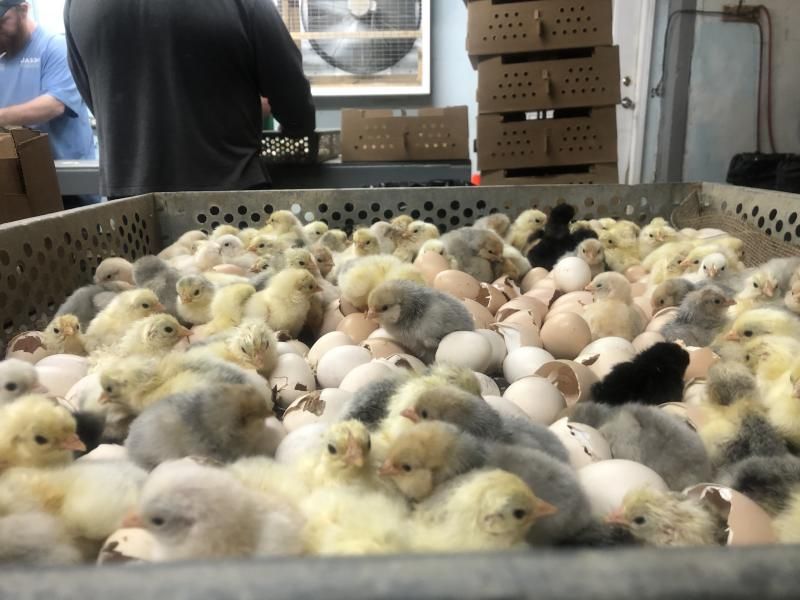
(266, 109)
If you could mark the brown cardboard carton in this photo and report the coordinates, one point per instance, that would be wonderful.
(28, 182)
(383, 136)
(592, 174)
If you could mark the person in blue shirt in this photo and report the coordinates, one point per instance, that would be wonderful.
(36, 86)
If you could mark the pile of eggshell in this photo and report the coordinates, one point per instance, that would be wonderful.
(530, 340)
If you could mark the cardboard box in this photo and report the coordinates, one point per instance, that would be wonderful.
(496, 27)
(591, 80)
(384, 136)
(28, 182)
(592, 174)
(576, 140)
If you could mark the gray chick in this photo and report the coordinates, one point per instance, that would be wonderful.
(87, 301)
(416, 316)
(671, 293)
(592, 414)
(477, 251)
(36, 539)
(223, 423)
(153, 273)
(657, 439)
(370, 403)
(700, 317)
(767, 480)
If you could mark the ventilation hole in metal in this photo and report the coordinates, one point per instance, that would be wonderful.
(792, 218)
(388, 214)
(255, 218)
(214, 225)
(375, 207)
(428, 206)
(779, 226)
(323, 208)
(348, 207)
(125, 220)
(441, 213)
(481, 205)
(415, 214)
(336, 215)
(787, 237)
(455, 205)
(214, 210)
(68, 237)
(228, 218)
(468, 212)
(4, 258)
(242, 210)
(362, 214)
(243, 225)
(454, 221)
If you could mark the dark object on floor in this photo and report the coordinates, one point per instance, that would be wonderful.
(766, 171)
(653, 377)
(555, 239)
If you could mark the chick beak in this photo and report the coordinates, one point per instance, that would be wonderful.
(186, 299)
(388, 470)
(184, 332)
(317, 287)
(69, 331)
(133, 521)
(159, 307)
(617, 517)
(254, 268)
(353, 455)
(73, 442)
(589, 288)
(769, 290)
(732, 336)
(713, 271)
(729, 302)
(411, 415)
(660, 236)
(104, 399)
(544, 509)
(684, 263)
(372, 314)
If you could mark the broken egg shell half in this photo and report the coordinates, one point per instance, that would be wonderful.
(508, 286)
(662, 318)
(523, 303)
(524, 318)
(430, 264)
(28, 346)
(604, 354)
(382, 348)
(571, 298)
(321, 406)
(544, 295)
(537, 398)
(607, 482)
(491, 298)
(488, 385)
(565, 335)
(646, 340)
(291, 378)
(465, 349)
(532, 277)
(481, 317)
(357, 326)
(504, 407)
(128, 545)
(458, 284)
(700, 361)
(327, 342)
(585, 445)
(572, 379)
(337, 362)
(524, 362)
(363, 375)
(408, 363)
(518, 335)
(748, 523)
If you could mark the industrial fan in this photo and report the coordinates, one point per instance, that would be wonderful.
(362, 37)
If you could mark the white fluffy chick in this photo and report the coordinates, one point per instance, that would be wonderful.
(233, 252)
(195, 294)
(114, 269)
(17, 378)
(284, 305)
(227, 308)
(360, 277)
(184, 246)
(524, 226)
(197, 512)
(613, 313)
(712, 266)
(113, 321)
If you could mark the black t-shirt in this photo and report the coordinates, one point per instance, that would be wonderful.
(175, 87)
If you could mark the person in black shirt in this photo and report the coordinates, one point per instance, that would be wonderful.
(176, 87)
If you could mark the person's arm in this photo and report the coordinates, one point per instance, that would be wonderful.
(76, 66)
(34, 112)
(279, 67)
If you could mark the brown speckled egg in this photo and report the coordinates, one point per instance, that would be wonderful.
(357, 326)
(532, 277)
(565, 335)
(430, 264)
(457, 283)
(27, 346)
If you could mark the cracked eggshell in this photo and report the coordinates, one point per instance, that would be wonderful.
(524, 362)
(465, 349)
(508, 286)
(584, 444)
(338, 362)
(491, 298)
(646, 340)
(571, 274)
(301, 443)
(327, 342)
(28, 346)
(357, 326)
(566, 335)
(499, 350)
(321, 406)
(458, 284)
(572, 302)
(545, 295)
(748, 523)
(608, 344)
(533, 277)
(382, 348)
(481, 317)
(291, 378)
(607, 482)
(365, 374)
(126, 546)
(662, 318)
(537, 398)
(522, 304)
(408, 363)
(518, 335)
(700, 361)
(505, 407)
(572, 379)
(488, 385)
(430, 264)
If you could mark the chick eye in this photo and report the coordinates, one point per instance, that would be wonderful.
(109, 389)
(722, 268)
(697, 262)
(519, 513)
(197, 292)
(717, 301)
(157, 521)
(538, 220)
(597, 285)
(11, 387)
(168, 329)
(748, 333)
(384, 308)
(406, 468)
(367, 243)
(56, 330)
(302, 263)
(331, 448)
(40, 439)
(369, 443)
(424, 414)
(145, 306)
(651, 236)
(243, 349)
(78, 327)
(640, 520)
(261, 246)
(755, 285)
(661, 302)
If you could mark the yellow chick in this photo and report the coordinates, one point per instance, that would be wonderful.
(283, 224)
(344, 458)
(37, 432)
(153, 336)
(183, 246)
(410, 242)
(792, 298)
(223, 230)
(285, 304)
(267, 245)
(655, 234)
(627, 230)
(759, 288)
(251, 345)
(63, 336)
(402, 221)
(782, 400)
(365, 243)
(266, 476)
(247, 235)
(314, 231)
(669, 519)
(593, 254)
(694, 259)
(613, 313)
(621, 251)
(114, 269)
(324, 259)
(365, 274)
(770, 356)
(113, 321)
(666, 253)
(524, 226)
(483, 510)
(334, 240)
(763, 321)
(128, 386)
(227, 308)
(195, 294)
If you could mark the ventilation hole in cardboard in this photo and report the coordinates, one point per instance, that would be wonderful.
(754, 211)
(768, 231)
(125, 220)
(761, 221)
(739, 208)
(60, 252)
(4, 258)
(787, 237)
(779, 226)
(772, 214)
(11, 282)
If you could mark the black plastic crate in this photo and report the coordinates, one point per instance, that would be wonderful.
(280, 149)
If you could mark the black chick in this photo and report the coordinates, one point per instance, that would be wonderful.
(653, 377)
(89, 427)
(555, 239)
(767, 480)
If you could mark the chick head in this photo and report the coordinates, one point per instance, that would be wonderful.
(506, 506)
(189, 238)
(610, 286)
(40, 432)
(334, 239)
(531, 220)
(420, 231)
(162, 332)
(254, 343)
(140, 303)
(266, 245)
(262, 264)
(365, 242)
(649, 514)
(114, 269)
(710, 300)
(194, 288)
(17, 378)
(385, 302)
(441, 403)
(296, 281)
(416, 454)
(657, 232)
(670, 293)
(315, 230)
(347, 446)
(323, 258)
(247, 235)
(433, 246)
(60, 330)
(283, 221)
(300, 258)
(491, 248)
(691, 264)
(402, 221)
(224, 230)
(230, 245)
(119, 381)
(713, 265)
(760, 285)
(591, 251)
(763, 321)
(675, 263)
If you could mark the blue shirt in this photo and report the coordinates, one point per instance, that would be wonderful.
(41, 68)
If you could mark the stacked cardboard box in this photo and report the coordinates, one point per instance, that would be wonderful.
(548, 83)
